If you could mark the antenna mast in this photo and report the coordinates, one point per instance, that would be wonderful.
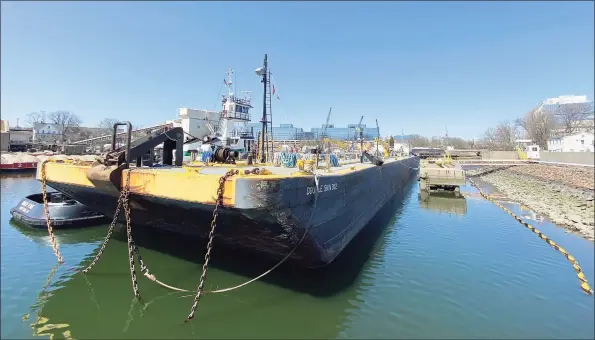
(264, 73)
(377, 137)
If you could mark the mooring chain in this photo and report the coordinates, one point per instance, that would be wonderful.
(47, 213)
(581, 276)
(126, 205)
(255, 171)
(205, 266)
(108, 236)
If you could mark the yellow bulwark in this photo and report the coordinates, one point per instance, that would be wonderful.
(195, 182)
(191, 186)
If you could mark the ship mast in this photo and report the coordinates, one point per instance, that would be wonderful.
(263, 72)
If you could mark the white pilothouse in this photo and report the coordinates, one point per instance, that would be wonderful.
(228, 127)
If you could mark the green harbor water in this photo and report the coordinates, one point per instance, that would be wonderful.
(414, 272)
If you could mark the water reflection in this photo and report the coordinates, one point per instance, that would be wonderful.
(63, 236)
(41, 325)
(446, 202)
(321, 299)
(529, 214)
(482, 276)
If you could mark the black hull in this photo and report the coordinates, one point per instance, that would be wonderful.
(30, 212)
(272, 220)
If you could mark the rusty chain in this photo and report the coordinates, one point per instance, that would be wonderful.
(205, 266)
(108, 236)
(131, 245)
(47, 213)
(123, 202)
(254, 171)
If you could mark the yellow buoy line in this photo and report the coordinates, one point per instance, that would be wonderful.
(581, 276)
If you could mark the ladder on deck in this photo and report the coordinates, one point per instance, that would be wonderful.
(269, 146)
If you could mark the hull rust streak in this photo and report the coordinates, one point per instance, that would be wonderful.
(260, 214)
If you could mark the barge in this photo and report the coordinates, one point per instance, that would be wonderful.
(18, 162)
(265, 208)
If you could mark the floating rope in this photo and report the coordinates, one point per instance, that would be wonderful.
(581, 276)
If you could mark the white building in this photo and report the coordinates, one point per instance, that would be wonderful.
(569, 99)
(47, 133)
(579, 142)
(553, 105)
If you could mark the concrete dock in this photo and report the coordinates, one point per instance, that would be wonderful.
(437, 175)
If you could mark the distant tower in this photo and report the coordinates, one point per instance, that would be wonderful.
(445, 136)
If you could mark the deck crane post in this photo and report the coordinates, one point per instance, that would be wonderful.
(361, 139)
(328, 119)
(321, 144)
(377, 137)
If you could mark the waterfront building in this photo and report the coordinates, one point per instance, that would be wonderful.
(579, 142)
(290, 132)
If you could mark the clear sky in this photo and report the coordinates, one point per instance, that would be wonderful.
(414, 66)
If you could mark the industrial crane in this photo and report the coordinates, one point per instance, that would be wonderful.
(323, 137)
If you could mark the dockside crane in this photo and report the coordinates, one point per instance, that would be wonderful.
(323, 137)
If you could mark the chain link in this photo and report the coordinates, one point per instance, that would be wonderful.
(47, 213)
(131, 245)
(205, 266)
(108, 236)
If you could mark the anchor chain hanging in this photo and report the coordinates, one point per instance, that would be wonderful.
(108, 236)
(205, 266)
(126, 205)
(47, 213)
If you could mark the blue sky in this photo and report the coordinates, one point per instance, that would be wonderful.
(414, 66)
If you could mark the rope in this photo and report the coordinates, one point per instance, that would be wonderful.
(581, 276)
(206, 156)
(309, 165)
(288, 159)
(286, 256)
(46, 211)
(207, 256)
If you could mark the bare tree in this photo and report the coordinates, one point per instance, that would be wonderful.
(501, 137)
(459, 143)
(488, 141)
(573, 116)
(507, 134)
(539, 125)
(435, 142)
(35, 117)
(68, 120)
(107, 125)
(418, 141)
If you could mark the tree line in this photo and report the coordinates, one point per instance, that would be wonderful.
(71, 124)
(416, 140)
(539, 124)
